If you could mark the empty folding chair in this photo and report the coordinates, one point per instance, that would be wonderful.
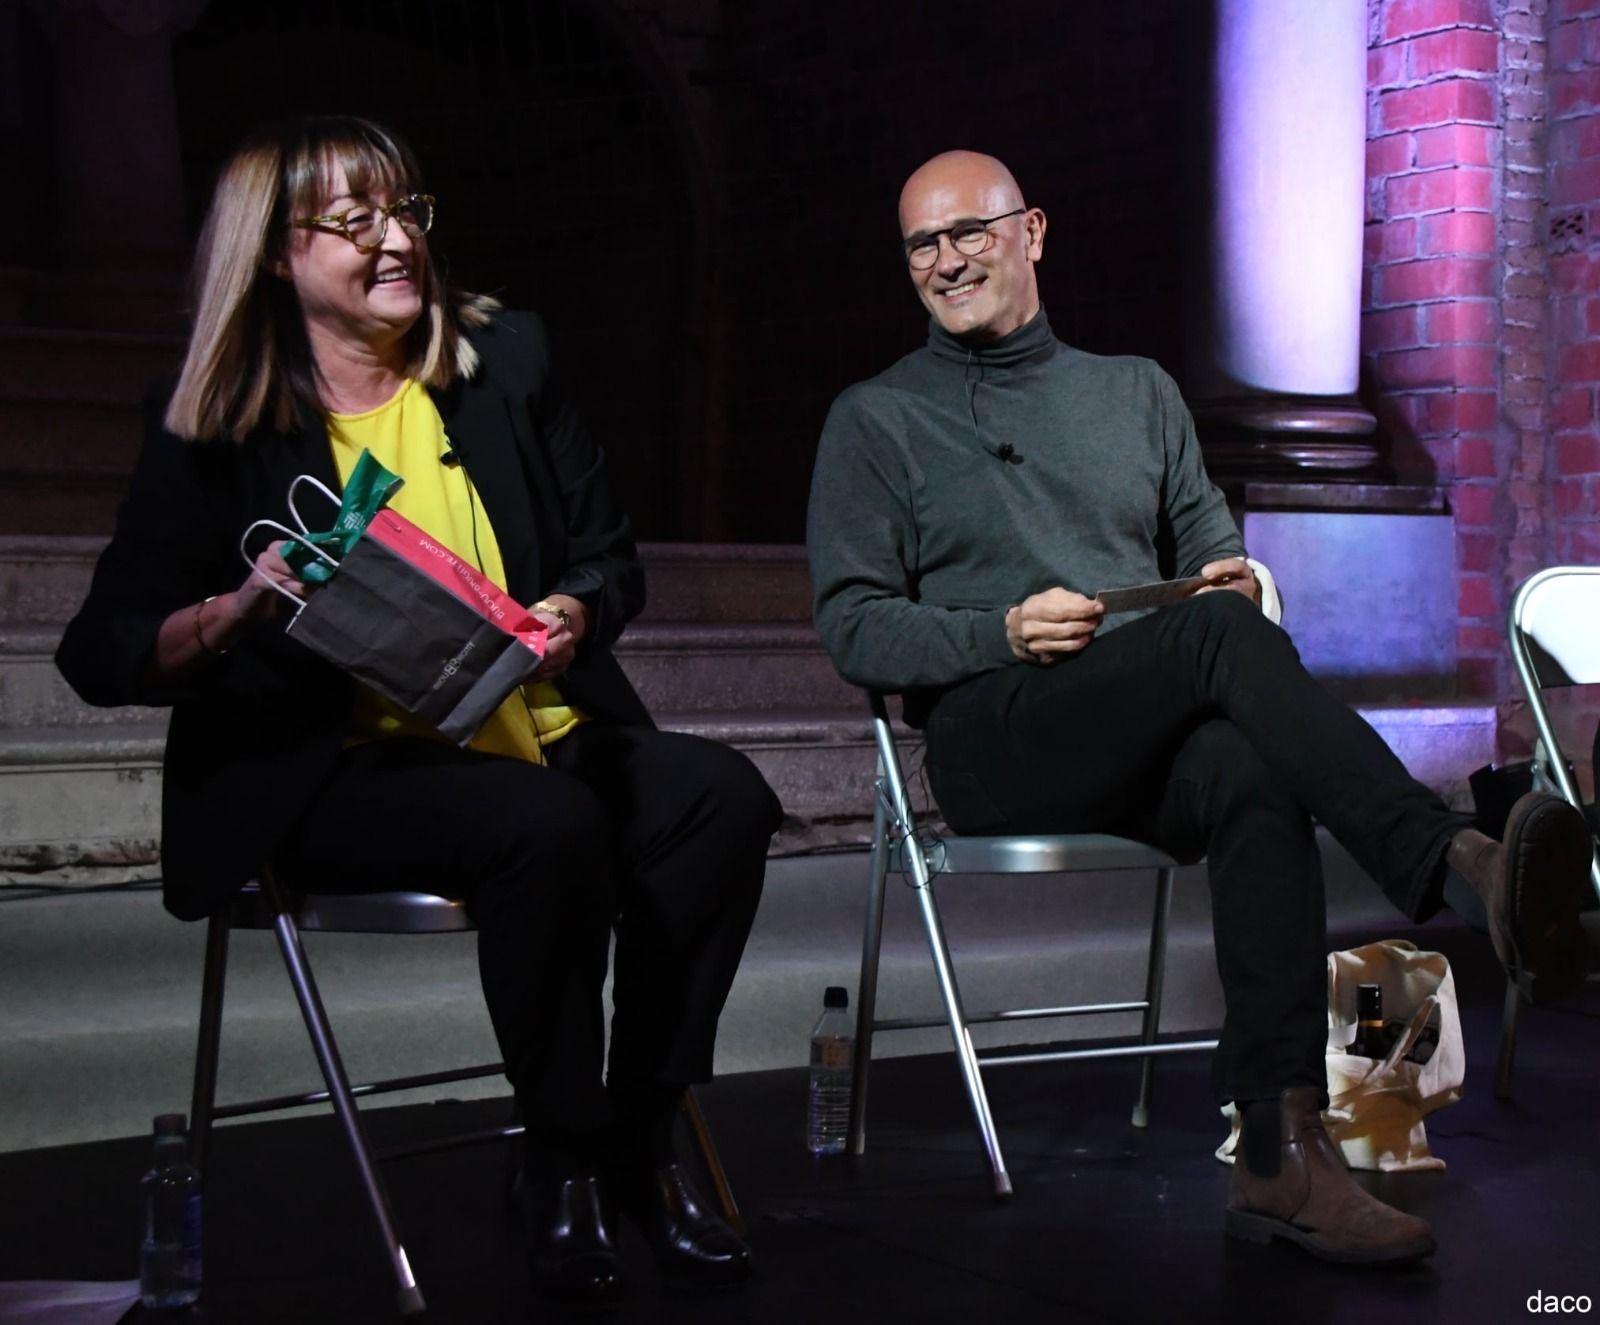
(1554, 632)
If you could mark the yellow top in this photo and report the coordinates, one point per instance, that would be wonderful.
(406, 435)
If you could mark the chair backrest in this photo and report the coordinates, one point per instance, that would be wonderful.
(1555, 627)
(1554, 631)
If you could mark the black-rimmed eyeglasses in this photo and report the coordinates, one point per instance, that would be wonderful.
(968, 237)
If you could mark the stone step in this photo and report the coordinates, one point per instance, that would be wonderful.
(86, 800)
(33, 693)
(744, 582)
(82, 803)
(148, 302)
(79, 799)
(44, 578)
(69, 422)
(13, 296)
(67, 436)
(695, 668)
(105, 367)
(677, 668)
(81, 502)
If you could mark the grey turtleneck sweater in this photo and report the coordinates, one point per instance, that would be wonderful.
(967, 477)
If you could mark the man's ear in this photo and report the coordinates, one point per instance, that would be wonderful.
(1035, 221)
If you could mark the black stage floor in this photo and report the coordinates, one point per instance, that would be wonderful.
(1107, 1224)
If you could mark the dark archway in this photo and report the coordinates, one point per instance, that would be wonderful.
(561, 185)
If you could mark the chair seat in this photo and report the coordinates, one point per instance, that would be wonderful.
(359, 913)
(1047, 853)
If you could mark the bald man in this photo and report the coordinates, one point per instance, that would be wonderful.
(967, 507)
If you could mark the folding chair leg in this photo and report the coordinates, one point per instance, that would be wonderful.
(204, 1098)
(1508, 1042)
(327, 1051)
(1154, 979)
(713, 1162)
(867, 988)
(966, 1055)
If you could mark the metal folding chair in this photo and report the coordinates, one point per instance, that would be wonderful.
(895, 842)
(1554, 632)
(268, 905)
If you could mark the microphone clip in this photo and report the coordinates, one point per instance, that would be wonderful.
(1007, 454)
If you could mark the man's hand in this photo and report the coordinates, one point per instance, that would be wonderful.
(1041, 628)
(1232, 573)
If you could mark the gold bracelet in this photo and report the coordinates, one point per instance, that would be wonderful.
(199, 633)
(545, 605)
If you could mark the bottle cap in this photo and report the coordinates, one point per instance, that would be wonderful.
(171, 1124)
(835, 996)
(1369, 1002)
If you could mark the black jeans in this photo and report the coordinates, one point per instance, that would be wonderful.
(1197, 728)
(659, 836)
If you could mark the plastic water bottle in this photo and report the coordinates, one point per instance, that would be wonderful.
(832, 1045)
(169, 1259)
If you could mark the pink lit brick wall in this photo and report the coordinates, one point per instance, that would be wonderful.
(1574, 152)
(1570, 530)
(1431, 332)
(1481, 328)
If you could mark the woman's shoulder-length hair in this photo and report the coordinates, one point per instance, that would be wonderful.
(249, 363)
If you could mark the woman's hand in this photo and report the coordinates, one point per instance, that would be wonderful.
(561, 644)
(256, 599)
(193, 635)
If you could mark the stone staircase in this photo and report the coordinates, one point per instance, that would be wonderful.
(725, 649)
(70, 422)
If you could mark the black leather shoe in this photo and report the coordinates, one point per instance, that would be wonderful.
(572, 1253)
(688, 1239)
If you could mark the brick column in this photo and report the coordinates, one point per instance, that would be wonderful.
(1565, 523)
(1430, 330)
(1573, 534)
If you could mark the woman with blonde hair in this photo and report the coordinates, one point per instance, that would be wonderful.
(322, 328)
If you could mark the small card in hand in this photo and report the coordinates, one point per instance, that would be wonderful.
(1158, 594)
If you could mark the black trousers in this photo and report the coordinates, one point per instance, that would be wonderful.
(1198, 729)
(659, 836)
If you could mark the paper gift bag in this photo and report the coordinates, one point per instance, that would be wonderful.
(404, 615)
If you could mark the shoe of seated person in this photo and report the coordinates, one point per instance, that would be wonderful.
(572, 1247)
(1290, 1182)
(689, 1239)
(1532, 884)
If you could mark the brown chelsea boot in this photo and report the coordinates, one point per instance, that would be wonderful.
(1290, 1181)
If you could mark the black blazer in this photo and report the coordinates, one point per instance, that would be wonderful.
(256, 732)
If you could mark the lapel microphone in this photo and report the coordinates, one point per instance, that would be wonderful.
(1005, 453)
